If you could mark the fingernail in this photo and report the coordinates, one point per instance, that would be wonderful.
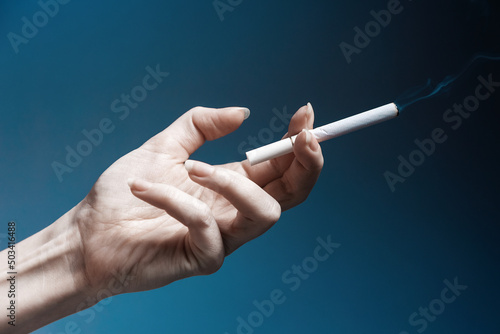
(309, 113)
(138, 184)
(309, 109)
(198, 168)
(313, 144)
(308, 136)
(246, 112)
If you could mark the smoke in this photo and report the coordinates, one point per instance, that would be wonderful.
(429, 90)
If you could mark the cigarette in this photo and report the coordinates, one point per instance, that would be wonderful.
(325, 132)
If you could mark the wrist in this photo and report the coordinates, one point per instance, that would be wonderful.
(51, 273)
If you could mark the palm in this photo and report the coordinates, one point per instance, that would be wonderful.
(116, 215)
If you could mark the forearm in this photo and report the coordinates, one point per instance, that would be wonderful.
(50, 281)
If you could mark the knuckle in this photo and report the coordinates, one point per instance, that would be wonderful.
(196, 109)
(288, 187)
(319, 165)
(204, 216)
(299, 200)
(213, 264)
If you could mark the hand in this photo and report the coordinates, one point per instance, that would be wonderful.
(186, 216)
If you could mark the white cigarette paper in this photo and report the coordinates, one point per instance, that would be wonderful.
(325, 132)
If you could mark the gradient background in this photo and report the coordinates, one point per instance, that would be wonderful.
(396, 248)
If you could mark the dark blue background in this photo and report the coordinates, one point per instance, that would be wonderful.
(396, 249)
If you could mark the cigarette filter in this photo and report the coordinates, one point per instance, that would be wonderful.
(325, 132)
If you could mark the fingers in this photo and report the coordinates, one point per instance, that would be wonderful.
(267, 171)
(204, 234)
(290, 179)
(293, 187)
(308, 154)
(257, 210)
(192, 129)
(307, 151)
(270, 170)
(303, 119)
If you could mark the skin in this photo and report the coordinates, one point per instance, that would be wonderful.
(155, 217)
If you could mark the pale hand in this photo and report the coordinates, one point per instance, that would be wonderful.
(185, 217)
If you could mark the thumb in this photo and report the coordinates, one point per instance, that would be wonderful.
(196, 126)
